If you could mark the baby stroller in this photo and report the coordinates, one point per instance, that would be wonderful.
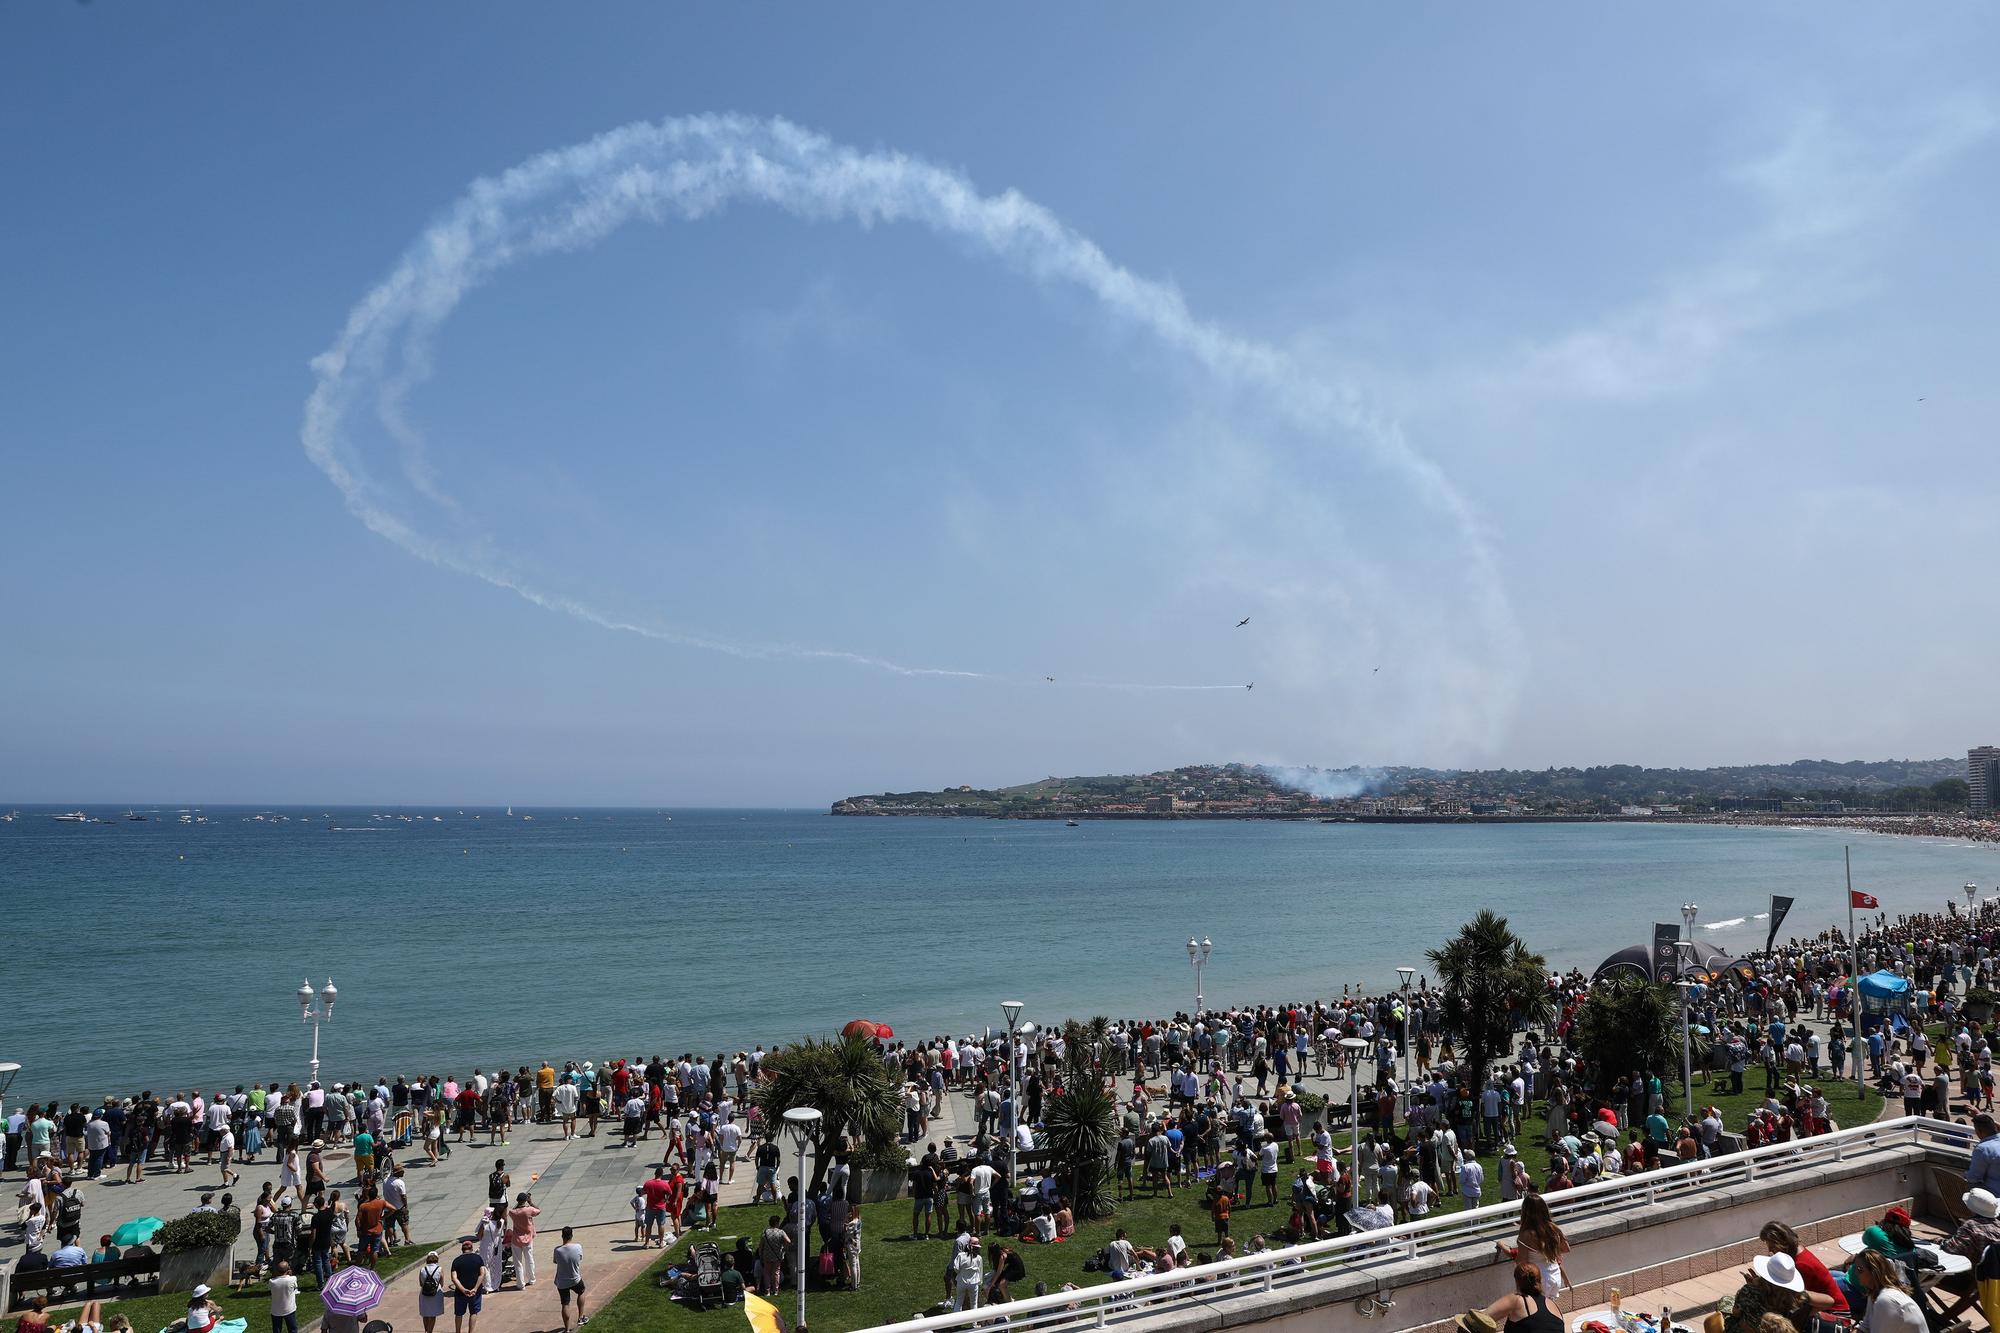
(707, 1285)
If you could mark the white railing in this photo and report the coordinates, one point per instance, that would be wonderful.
(1275, 1270)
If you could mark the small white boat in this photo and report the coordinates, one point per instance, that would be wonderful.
(73, 817)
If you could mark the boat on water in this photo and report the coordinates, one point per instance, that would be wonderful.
(135, 818)
(73, 817)
(1070, 823)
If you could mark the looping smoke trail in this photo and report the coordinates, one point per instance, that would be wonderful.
(688, 168)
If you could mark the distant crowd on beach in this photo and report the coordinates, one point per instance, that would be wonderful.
(1923, 826)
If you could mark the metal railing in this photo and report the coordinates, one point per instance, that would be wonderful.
(1277, 1269)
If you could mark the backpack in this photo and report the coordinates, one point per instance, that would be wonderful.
(429, 1281)
(496, 1186)
(69, 1212)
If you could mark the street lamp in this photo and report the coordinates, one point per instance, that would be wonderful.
(800, 1121)
(323, 1013)
(1406, 973)
(1971, 892)
(1198, 956)
(1012, 1009)
(1683, 990)
(1354, 1046)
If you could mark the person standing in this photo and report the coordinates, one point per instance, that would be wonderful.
(488, 1238)
(569, 1278)
(1471, 1179)
(468, 1276)
(284, 1300)
(397, 1193)
(564, 1100)
(430, 1292)
(521, 1235)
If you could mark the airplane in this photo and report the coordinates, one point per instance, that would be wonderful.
(1241, 623)
(1050, 679)
(1251, 686)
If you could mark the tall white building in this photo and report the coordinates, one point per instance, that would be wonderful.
(1982, 778)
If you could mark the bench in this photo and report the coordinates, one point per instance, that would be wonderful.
(22, 1285)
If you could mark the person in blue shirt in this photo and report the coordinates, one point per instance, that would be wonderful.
(1984, 1170)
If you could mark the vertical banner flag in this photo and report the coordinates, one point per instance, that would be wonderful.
(1779, 906)
(1665, 965)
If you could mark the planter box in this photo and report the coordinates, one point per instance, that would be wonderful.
(190, 1268)
(877, 1186)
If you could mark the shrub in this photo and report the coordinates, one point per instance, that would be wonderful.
(197, 1231)
(880, 1157)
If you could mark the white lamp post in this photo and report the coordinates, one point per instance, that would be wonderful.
(1354, 1046)
(1688, 912)
(1012, 1010)
(1198, 956)
(1406, 973)
(800, 1121)
(323, 1013)
(1971, 892)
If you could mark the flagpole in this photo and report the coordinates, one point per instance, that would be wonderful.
(1854, 965)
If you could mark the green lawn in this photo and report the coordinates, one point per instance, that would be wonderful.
(899, 1277)
(150, 1313)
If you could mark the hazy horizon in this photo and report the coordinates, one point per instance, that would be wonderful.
(674, 404)
(530, 804)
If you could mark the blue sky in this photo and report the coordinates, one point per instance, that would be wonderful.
(1548, 387)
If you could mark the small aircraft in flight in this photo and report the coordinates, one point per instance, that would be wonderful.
(1251, 686)
(1050, 679)
(1241, 623)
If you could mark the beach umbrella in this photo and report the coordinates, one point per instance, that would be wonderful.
(884, 1030)
(860, 1027)
(136, 1232)
(763, 1315)
(353, 1291)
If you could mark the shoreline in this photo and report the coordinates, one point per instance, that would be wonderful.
(1952, 827)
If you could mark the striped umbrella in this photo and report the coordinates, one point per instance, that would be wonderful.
(354, 1291)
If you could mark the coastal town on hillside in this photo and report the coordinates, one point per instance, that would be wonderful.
(1910, 793)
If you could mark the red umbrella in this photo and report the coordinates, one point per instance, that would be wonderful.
(860, 1027)
(884, 1030)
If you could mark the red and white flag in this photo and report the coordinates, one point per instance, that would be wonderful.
(1857, 899)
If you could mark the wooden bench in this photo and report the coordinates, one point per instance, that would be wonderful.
(22, 1285)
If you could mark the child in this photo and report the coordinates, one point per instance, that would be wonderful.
(1219, 1201)
(639, 1214)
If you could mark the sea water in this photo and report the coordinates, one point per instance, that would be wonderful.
(154, 954)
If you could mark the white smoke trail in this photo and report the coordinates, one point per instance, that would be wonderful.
(1327, 784)
(688, 168)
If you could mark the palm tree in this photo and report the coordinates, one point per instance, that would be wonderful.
(845, 1080)
(1080, 1126)
(1490, 981)
(1628, 1023)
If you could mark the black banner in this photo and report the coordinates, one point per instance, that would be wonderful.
(1666, 937)
(1779, 906)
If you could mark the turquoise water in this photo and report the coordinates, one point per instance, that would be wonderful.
(147, 954)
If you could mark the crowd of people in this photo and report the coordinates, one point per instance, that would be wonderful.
(1211, 1104)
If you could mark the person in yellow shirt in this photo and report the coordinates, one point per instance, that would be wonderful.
(545, 1084)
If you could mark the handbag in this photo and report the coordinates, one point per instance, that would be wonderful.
(826, 1262)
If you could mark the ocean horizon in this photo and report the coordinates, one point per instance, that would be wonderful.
(169, 952)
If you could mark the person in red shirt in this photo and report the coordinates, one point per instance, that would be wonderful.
(659, 1198)
(1822, 1291)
